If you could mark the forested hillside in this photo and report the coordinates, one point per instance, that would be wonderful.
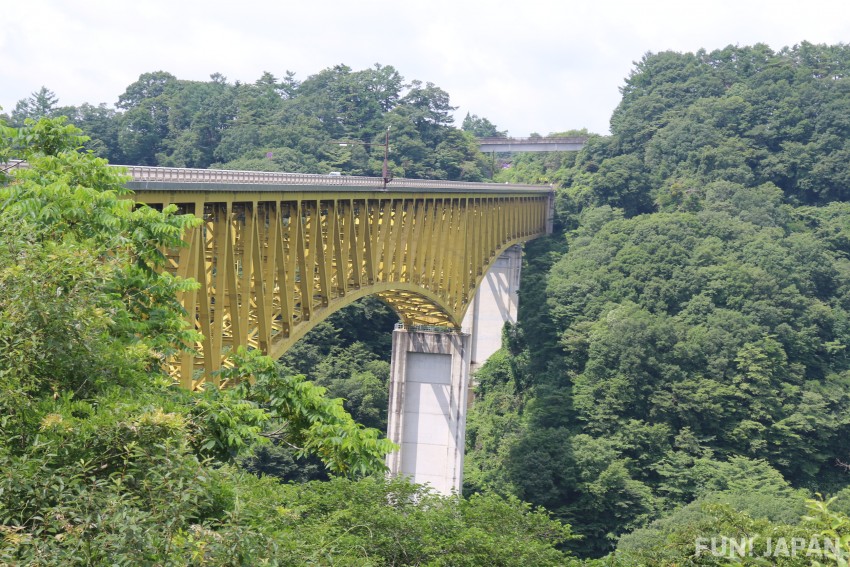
(693, 347)
(679, 370)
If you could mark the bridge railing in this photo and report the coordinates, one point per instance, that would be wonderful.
(274, 180)
(176, 175)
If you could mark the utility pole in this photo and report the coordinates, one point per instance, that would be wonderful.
(385, 172)
(386, 176)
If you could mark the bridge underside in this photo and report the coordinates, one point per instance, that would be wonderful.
(272, 266)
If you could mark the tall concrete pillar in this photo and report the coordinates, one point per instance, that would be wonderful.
(430, 379)
(427, 410)
(494, 304)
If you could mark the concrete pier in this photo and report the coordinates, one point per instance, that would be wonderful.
(494, 304)
(427, 410)
(430, 381)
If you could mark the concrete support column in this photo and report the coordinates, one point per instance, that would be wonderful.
(427, 410)
(494, 304)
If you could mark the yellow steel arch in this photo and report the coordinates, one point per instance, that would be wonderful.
(273, 264)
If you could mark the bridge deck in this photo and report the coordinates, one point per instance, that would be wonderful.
(185, 179)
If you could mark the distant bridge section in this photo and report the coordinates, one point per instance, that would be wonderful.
(534, 144)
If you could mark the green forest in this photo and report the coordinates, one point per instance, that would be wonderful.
(679, 372)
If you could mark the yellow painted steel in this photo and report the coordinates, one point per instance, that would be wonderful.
(274, 264)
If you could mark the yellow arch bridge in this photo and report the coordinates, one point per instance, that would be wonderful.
(279, 252)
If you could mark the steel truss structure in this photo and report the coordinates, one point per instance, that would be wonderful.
(272, 265)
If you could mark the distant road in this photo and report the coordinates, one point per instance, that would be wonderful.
(535, 144)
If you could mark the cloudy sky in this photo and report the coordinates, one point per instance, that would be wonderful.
(527, 65)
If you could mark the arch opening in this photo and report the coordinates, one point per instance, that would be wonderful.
(412, 305)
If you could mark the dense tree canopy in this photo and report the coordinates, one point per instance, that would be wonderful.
(278, 124)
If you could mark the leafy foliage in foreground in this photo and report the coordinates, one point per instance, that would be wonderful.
(222, 516)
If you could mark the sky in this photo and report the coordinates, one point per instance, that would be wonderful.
(528, 66)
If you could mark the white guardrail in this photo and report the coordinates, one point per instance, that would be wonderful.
(145, 174)
(157, 178)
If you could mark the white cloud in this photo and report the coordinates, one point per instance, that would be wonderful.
(538, 65)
